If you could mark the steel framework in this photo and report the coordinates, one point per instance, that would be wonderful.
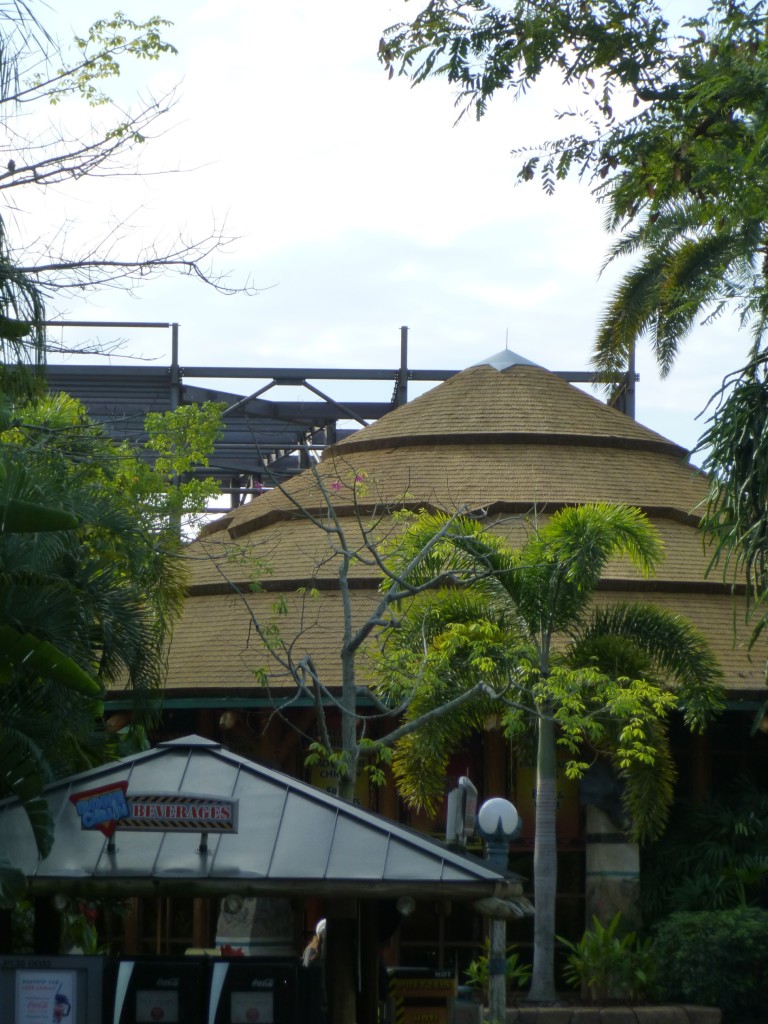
(264, 439)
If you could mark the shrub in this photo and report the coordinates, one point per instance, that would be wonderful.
(517, 972)
(714, 856)
(607, 965)
(716, 958)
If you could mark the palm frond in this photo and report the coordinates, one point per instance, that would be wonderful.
(677, 652)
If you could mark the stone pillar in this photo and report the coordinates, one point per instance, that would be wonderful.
(613, 872)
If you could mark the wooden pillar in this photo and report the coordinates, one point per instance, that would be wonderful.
(47, 927)
(207, 723)
(701, 767)
(368, 997)
(132, 928)
(201, 922)
(341, 953)
(495, 782)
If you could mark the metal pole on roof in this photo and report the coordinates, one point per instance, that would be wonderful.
(631, 379)
(175, 397)
(175, 373)
(401, 390)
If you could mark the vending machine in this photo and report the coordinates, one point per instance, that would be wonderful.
(51, 989)
(263, 990)
(158, 990)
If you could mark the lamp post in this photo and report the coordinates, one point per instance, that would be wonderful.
(497, 824)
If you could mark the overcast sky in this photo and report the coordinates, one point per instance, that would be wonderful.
(358, 207)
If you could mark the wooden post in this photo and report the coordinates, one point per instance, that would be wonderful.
(132, 929)
(701, 767)
(341, 954)
(495, 747)
(368, 998)
(201, 922)
(47, 926)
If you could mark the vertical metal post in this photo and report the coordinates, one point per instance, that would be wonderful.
(630, 389)
(497, 972)
(175, 396)
(304, 443)
(401, 391)
(496, 853)
(175, 374)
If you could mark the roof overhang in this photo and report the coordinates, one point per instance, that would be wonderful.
(290, 838)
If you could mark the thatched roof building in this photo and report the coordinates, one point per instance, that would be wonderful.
(506, 437)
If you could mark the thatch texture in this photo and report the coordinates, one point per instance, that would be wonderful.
(509, 444)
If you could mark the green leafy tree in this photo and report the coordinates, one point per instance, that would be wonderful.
(22, 332)
(672, 139)
(735, 444)
(56, 684)
(90, 575)
(517, 625)
(118, 573)
(91, 582)
(56, 432)
(355, 526)
(673, 142)
(178, 441)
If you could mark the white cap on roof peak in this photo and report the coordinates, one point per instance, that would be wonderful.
(504, 359)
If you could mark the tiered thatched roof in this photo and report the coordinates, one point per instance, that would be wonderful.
(506, 437)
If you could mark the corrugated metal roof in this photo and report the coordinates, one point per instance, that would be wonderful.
(291, 838)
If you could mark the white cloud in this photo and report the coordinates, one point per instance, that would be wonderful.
(361, 203)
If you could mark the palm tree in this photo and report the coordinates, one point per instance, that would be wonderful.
(107, 592)
(41, 687)
(520, 620)
(689, 195)
(88, 593)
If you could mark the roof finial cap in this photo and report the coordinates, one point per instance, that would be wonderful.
(504, 359)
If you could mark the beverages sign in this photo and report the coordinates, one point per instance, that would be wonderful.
(112, 808)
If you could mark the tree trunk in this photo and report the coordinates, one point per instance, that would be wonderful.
(349, 717)
(544, 865)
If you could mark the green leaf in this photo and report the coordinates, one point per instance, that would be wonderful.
(24, 651)
(17, 516)
(13, 884)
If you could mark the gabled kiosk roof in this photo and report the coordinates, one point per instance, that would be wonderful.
(291, 839)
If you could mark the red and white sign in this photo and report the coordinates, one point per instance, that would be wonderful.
(112, 809)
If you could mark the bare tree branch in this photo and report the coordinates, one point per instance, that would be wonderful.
(39, 148)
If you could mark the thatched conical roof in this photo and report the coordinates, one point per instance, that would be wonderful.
(505, 436)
